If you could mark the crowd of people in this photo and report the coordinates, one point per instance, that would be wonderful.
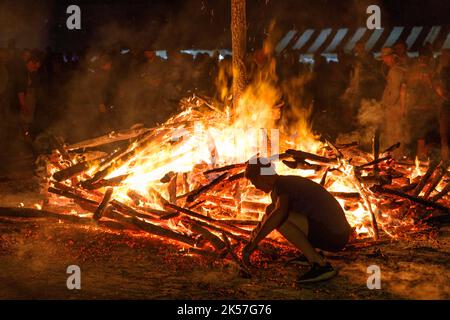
(95, 91)
(410, 93)
(89, 93)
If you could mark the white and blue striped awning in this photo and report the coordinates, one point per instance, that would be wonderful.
(328, 41)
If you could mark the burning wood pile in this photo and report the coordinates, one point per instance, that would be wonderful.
(183, 181)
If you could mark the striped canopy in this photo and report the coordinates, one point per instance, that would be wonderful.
(328, 40)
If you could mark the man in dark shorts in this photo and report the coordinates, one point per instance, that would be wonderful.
(305, 213)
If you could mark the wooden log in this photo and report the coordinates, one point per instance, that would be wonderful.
(440, 172)
(191, 196)
(172, 189)
(374, 162)
(163, 232)
(301, 155)
(368, 205)
(117, 216)
(112, 182)
(395, 174)
(35, 213)
(109, 138)
(415, 199)
(92, 194)
(358, 184)
(208, 219)
(239, 48)
(169, 216)
(253, 206)
(236, 177)
(126, 209)
(119, 157)
(102, 206)
(339, 155)
(392, 148)
(156, 230)
(226, 168)
(167, 177)
(441, 194)
(153, 192)
(376, 149)
(71, 171)
(71, 195)
(406, 188)
(346, 195)
(376, 179)
(104, 163)
(304, 165)
(217, 229)
(185, 182)
(196, 204)
(323, 180)
(220, 201)
(136, 197)
(217, 243)
(433, 165)
(78, 197)
(241, 222)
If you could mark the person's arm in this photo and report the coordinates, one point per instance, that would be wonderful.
(271, 221)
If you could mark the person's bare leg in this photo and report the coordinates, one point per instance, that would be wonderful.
(295, 230)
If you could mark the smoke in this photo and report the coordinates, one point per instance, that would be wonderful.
(26, 22)
(187, 24)
(140, 93)
(370, 114)
(370, 118)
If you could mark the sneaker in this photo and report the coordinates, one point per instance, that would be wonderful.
(301, 260)
(318, 273)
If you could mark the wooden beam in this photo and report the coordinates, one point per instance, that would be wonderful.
(239, 48)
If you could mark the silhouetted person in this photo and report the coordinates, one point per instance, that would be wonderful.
(27, 93)
(422, 106)
(304, 212)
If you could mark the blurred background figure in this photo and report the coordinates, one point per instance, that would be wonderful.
(422, 106)
(393, 101)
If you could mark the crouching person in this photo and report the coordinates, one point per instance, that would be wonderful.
(305, 213)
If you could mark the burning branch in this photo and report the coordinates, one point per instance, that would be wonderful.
(191, 196)
(415, 199)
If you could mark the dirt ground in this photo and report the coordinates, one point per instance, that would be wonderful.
(35, 254)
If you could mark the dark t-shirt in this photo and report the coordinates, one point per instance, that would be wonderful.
(324, 213)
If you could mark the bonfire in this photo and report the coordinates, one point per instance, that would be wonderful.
(183, 181)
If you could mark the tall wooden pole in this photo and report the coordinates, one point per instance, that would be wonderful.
(239, 48)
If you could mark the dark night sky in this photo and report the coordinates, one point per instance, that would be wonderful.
(194, 23)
